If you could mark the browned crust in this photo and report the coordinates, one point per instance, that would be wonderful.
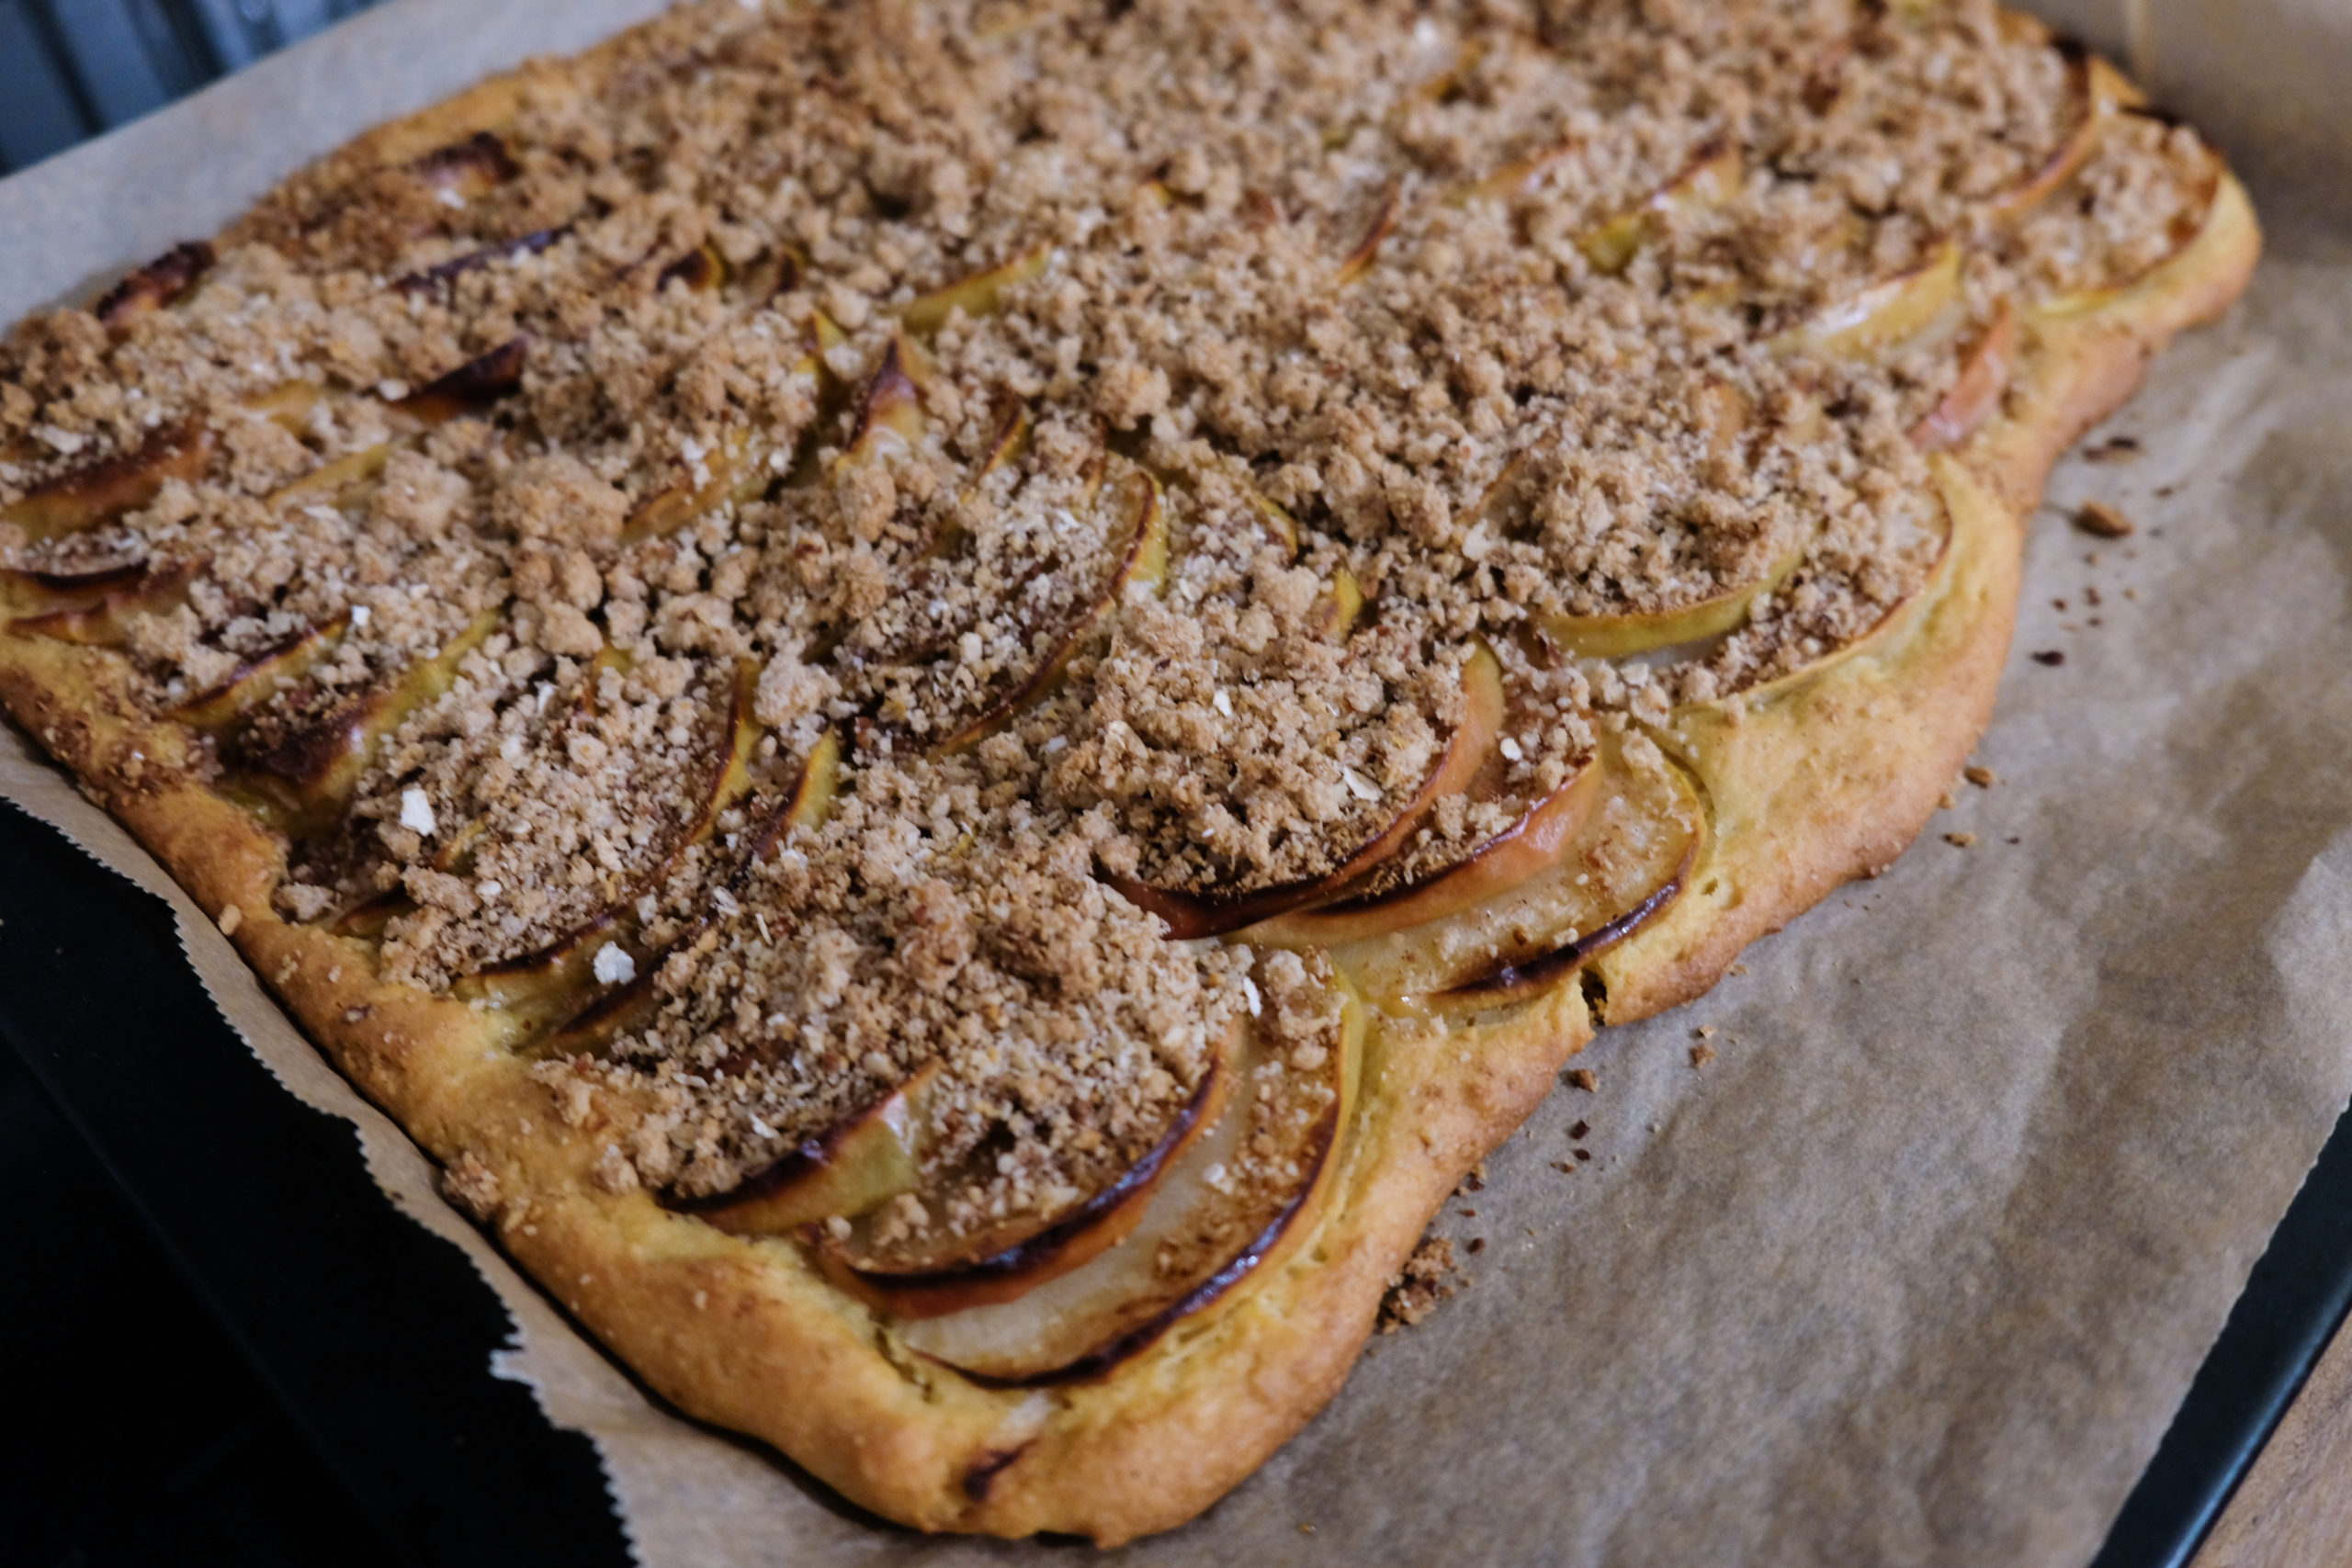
(1822, 779)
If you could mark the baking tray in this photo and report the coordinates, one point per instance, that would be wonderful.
(377, 1337)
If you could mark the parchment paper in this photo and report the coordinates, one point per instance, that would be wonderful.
(1918, 1268)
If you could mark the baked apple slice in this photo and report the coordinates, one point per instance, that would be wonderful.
(1622, 634)
(1231, 1205)
(1985, 371)
(2223, 214)
(1624, 861)
(1191, 914)
(2096, 93)
(1530, 844)
(26, 592)
(83, 497)
(436, 278)
(619, 1010)
(534, 986)
(1367, 250)
(1883, 315)
(257, 679)
(1017, 1255)
(700, 271)
(470, 388)
(850, 1168)
(1140, 525)
(102, 608)
(470, 168)
(1711, 177)
(301, 780)
(889, 407)
(978, 294)
(153, 286)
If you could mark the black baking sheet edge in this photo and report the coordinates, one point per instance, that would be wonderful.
(376, 1335)
(2293, 1304)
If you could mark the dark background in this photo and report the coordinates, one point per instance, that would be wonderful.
(218, 1343)
(72, 68)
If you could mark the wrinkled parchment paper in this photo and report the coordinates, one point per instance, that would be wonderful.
(1918, 1265)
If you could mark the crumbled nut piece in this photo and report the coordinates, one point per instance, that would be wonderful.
(473, 1186)
(1981, 776)
(2098, 518)
(1429, 1277)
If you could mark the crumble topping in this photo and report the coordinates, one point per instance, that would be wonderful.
(1117, 431)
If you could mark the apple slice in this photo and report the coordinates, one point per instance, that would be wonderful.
(1642, 631)
(328, 481)
(736, 469)
(25, 591)
(1277, 520)
(1337, 609)
(890, 409)
(1232, 1205)
(1521, 176)
(739, 469)
(615, 1012)
(1140, 519)
(367, 919)
(1359, 260)
(1711, 177)
(84, 497)
(536, 984)
(1946, 528)
(1883, 315)
(978, 294)
(808, 803)
(854, 1167)
(104, 620)
(470, 168)
(155, 285)
(2225, 215)
(302, 780)
(1507, 859)
(1191, 915)
(1976, 392)
(260, 677)
(1622, 864)
(435, 278)
(471, 387)
(702, 270)
(2097, 92)
(1017, 1255)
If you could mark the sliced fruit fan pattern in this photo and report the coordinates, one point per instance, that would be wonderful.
(971, 659)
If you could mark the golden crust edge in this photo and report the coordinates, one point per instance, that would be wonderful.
(1152, 1444)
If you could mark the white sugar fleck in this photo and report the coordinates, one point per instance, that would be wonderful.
(417, 812)
(613, 966)
(1359, 785)
(1249, 989)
